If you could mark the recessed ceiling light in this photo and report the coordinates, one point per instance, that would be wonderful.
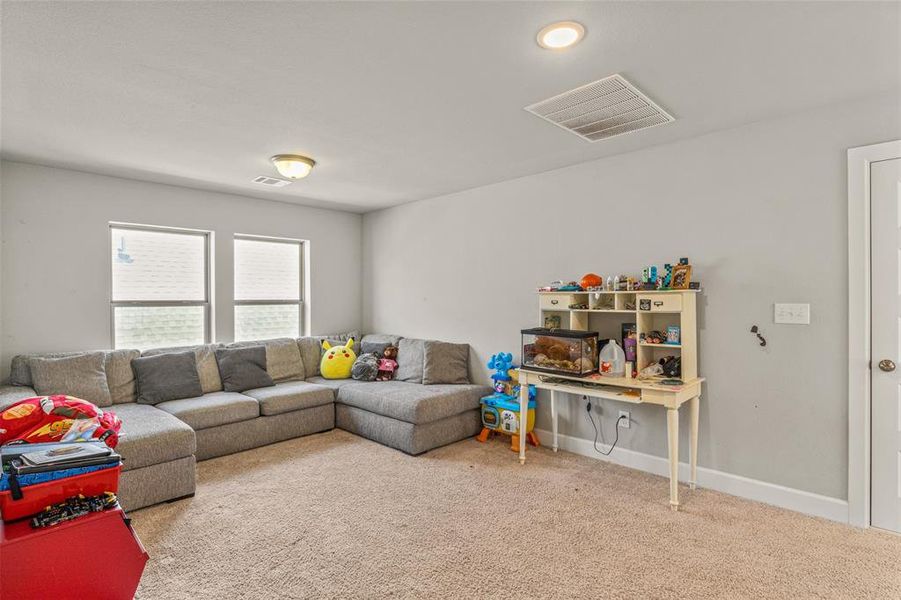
(558, 36)
(293, 166)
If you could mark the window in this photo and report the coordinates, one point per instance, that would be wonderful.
(268, 289)
(160, 287)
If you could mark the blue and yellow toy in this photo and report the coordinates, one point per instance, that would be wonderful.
(500, 410)
(337, 361)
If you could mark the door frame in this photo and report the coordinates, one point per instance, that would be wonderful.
(859, 323)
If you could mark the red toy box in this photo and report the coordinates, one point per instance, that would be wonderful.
(36, 498)
(97, 556)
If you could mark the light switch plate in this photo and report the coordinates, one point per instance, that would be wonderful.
(793, 314)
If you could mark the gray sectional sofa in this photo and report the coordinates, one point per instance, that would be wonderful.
(161, 443)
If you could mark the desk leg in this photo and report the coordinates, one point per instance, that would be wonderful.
(694, 408)
(523, 417)
(672, 429)
(554, 417)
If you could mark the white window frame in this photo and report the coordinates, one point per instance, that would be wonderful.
(301, 244)
(207, 303)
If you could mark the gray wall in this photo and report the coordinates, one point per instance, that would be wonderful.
(56, 264)
(760, 210)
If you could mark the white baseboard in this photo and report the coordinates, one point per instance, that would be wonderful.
(736, 485)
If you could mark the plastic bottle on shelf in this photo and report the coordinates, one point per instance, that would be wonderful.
(612, 360)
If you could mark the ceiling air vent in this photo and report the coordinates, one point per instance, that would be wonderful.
(603, 109)
(271, 181)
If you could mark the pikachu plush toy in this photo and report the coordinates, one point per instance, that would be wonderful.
(338, 360)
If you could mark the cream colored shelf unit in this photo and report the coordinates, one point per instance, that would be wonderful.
(650, 310)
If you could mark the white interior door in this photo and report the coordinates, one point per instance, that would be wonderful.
(885, 226)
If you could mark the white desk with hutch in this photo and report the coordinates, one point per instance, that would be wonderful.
(651, 310)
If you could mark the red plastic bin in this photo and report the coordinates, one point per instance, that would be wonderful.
(56, 562)
(36, 498)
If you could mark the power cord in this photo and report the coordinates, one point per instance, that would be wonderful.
(597, 431)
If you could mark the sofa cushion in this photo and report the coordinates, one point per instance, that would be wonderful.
(20, 370)
(377, 342)
(339, 337)
(82, 376)
(211, 410)
(10, 394)
(410, 357)
(290, 395)
(283, 359)
(117, 364)
(334, 384)
(376, 348)
(412, 402)
(169, 376)
(150, 436)
(310, 352)
(445, 362)
(243, 368)
(119, 375)
(207, 368)
(407, 437)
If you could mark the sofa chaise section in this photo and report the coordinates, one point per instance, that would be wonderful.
(157, 451)
(410, 417)
(157, 456)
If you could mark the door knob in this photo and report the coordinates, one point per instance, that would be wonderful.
(887, 365)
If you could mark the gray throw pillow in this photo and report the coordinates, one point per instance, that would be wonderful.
(445, 362)
(410, 356)
(82, 376)
(163, 377)
(243, 368)
(20, 367)
(283, 358)
(382, 338)
(207, 368)
(374, 348)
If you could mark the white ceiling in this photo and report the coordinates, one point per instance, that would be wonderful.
(401, 101)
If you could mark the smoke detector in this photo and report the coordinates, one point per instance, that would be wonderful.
(271, 181)
(602, 109)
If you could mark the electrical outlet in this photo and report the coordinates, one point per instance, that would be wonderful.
(627, 422)
(793, 314)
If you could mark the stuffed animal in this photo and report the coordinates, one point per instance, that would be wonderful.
(366, 367)
(338, 361)
(388, 364)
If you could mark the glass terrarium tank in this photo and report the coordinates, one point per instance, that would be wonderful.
(560, 351)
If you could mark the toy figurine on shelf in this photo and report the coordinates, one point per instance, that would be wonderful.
(668, 275)
(649, 278)
(673, 335)
(591, 281)
(654, 337)
(500, 411)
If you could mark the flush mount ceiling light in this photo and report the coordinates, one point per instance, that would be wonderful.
(293, 166)
(563, 34)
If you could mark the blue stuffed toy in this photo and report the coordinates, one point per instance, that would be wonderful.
(501, 362)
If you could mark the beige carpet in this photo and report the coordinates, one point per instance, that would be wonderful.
(337, 516)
